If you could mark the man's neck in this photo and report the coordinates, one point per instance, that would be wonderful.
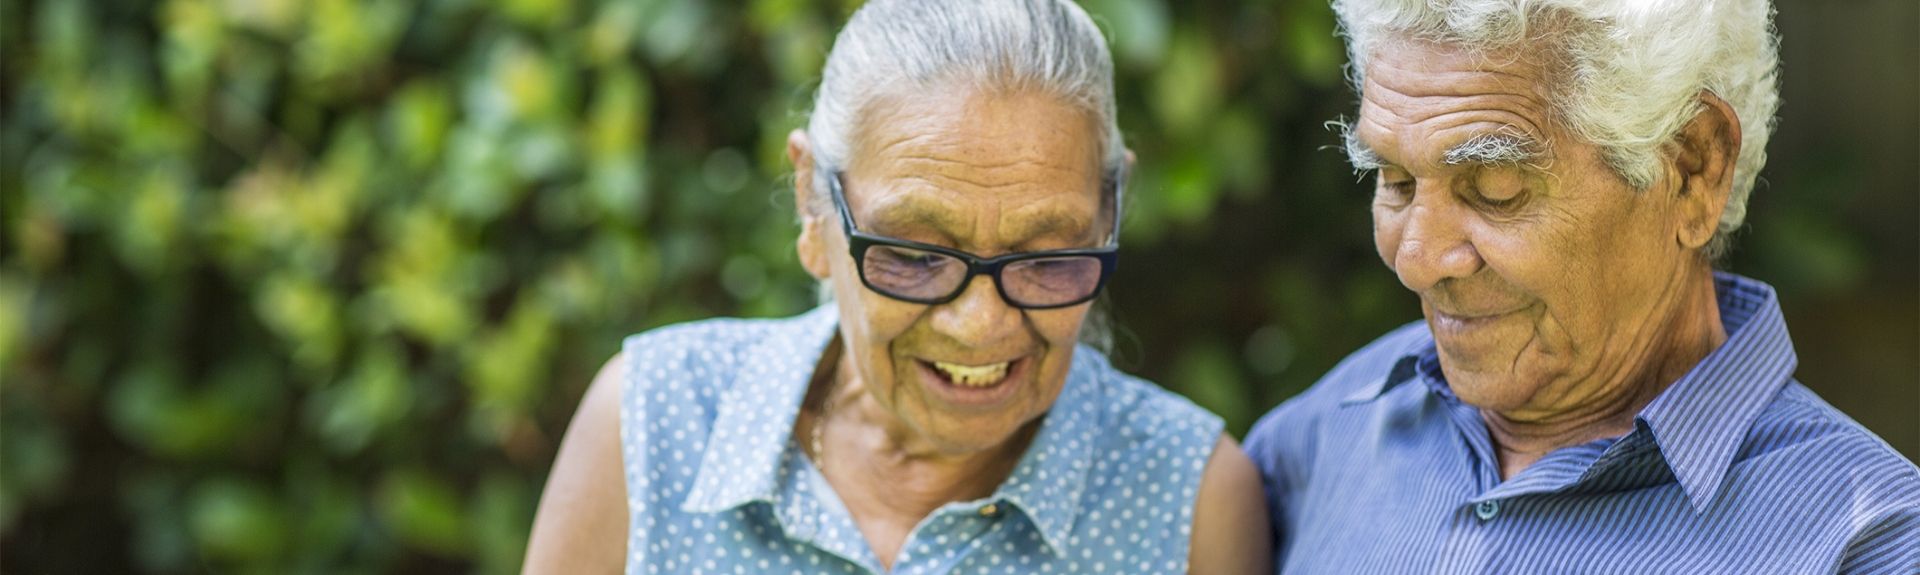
(1690, 331)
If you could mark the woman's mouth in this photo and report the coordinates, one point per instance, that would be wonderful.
(972, 375)
(973, 387)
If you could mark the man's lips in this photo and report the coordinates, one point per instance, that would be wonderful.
(1460, 323)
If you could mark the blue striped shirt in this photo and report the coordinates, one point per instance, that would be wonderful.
(1735, 468)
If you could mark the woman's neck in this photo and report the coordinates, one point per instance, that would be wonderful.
(890, 476)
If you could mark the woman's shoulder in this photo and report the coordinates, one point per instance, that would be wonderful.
(721, 341)
(1142, 414)
(694, 362)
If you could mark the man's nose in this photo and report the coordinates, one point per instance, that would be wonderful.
(979, 317)
(1434, 244)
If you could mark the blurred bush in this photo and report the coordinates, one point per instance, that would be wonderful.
(313, 286)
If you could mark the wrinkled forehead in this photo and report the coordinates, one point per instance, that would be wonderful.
(993, 137)
(1434, 104)
(945, 156)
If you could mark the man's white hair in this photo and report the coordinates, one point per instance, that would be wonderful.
(1631, 70)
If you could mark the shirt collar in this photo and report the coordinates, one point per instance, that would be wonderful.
(754, 420)
(1700, 420)
(1415, 356)
(744, 463)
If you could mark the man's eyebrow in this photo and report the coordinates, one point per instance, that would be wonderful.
(1359, 154)
(1503, 148)
(1507, 147)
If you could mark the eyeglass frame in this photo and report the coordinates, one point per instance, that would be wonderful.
(858, 242)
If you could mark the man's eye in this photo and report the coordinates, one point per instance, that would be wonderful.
(1400, 189)
(1499, 189)
(1500, 198)
(1506, 202)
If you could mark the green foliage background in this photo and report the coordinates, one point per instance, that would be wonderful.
(312, 286)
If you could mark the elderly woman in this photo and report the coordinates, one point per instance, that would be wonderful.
(960, 188)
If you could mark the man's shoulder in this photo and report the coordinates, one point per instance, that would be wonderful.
(1285, 435)
(1362, 369)
(1800, 432)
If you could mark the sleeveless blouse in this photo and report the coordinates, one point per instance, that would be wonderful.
(716, 482)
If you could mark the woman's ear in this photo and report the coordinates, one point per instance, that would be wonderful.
(1705, 152)
(812, 245)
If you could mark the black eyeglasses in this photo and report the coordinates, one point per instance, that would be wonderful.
(929, 274)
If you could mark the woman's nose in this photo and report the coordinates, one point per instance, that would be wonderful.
(979, 317)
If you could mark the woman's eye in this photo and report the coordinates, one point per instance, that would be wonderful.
(911, 258)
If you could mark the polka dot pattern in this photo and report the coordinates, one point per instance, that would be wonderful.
(716, 483)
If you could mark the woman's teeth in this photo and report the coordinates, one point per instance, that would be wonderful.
(973, 376)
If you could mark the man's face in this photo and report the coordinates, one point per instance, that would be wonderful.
(1542, 273)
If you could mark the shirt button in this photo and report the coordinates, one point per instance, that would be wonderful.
(1487, 509)
(989, 510)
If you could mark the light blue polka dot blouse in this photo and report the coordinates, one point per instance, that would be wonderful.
(716, 483)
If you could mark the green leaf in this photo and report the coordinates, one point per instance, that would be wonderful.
(374, 397)
(237, 519)
(1186, 91)
(424, 511)
(418, 120)
(1207, 374)
(1137, 29)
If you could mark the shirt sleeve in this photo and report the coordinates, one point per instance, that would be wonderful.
(1889, 546)
(1269, 445)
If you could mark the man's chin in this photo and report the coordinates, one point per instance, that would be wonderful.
(1498, 388)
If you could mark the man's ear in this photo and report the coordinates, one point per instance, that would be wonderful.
(812, 245)
(1705, 151)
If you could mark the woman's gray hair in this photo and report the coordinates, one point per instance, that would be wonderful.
(904, 47)
(1631, 69)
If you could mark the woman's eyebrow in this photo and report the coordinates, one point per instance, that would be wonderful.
(1043, 221)
(905, 215)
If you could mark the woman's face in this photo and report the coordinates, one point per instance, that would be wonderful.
(986, 173)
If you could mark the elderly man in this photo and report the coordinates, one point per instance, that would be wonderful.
(1586, 394)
